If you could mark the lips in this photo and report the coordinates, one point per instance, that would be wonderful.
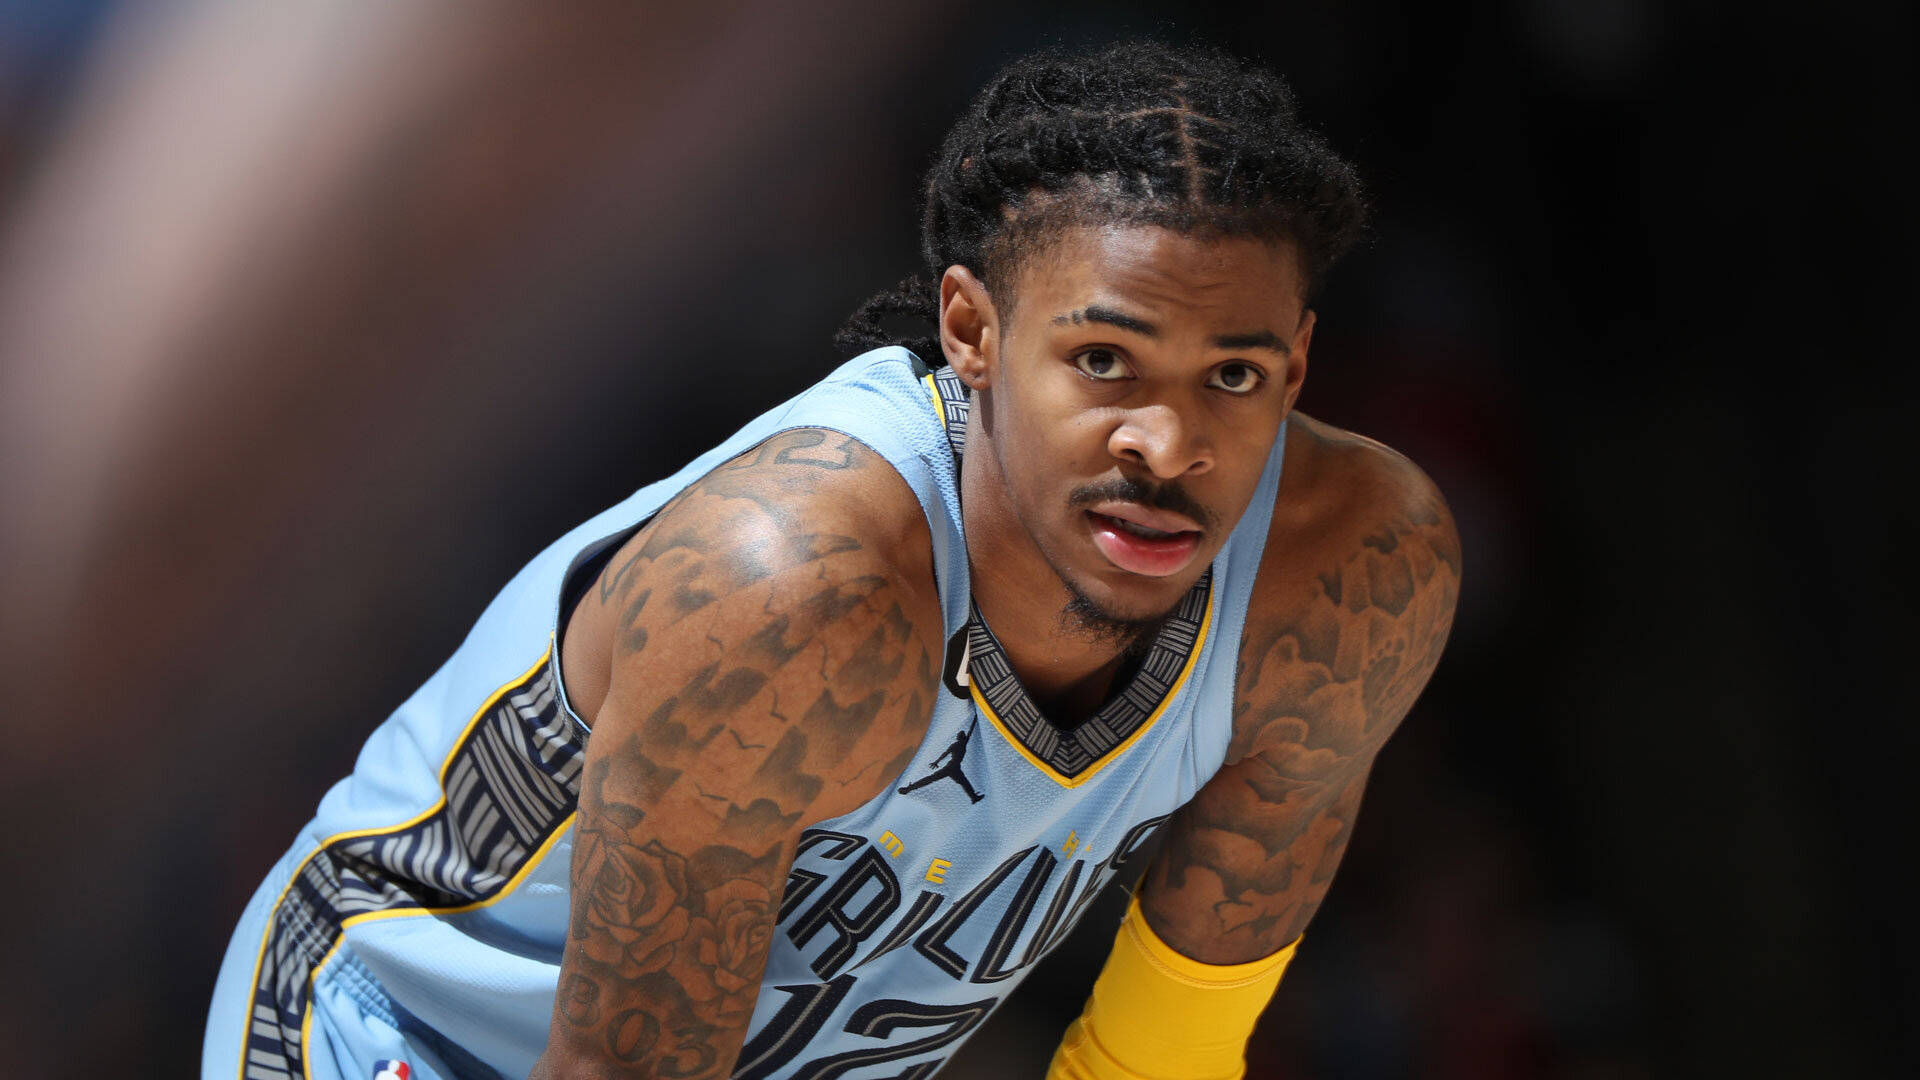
(1142, 540)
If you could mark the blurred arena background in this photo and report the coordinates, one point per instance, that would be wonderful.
(318, 319)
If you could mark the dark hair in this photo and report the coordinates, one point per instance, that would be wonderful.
(1137, 132)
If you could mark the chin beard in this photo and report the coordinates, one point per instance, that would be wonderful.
(1133, 634)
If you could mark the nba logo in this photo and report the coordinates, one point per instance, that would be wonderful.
(390, 1070)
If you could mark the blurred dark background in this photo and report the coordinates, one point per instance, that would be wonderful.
(318, 320)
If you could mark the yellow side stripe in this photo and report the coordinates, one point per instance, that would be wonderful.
(939, 406)
(306, 1027)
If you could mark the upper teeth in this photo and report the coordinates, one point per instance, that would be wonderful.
(1139, 530)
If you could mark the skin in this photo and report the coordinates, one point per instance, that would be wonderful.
(1162, 416)
(764, 654)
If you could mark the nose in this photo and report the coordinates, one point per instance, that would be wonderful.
(1160, 437)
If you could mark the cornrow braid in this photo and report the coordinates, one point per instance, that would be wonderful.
(1138, 132)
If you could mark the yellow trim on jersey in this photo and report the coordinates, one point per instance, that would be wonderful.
(1173, 691)
(939, 403)
(306, 1026)
(266, 933)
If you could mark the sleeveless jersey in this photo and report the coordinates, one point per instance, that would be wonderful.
(422, 915)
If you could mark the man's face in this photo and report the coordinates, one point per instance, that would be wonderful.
(1129, 402)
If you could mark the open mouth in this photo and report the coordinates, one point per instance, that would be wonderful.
(1140, 548)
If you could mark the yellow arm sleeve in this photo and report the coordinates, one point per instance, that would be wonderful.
(1157, 1015)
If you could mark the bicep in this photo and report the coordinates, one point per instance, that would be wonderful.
(765, 675)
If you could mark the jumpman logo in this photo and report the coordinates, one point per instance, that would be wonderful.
(951, 771)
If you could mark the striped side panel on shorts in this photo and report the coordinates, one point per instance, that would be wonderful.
(509, 785)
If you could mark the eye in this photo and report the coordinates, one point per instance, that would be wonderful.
(1236, 378)
(1102, 364)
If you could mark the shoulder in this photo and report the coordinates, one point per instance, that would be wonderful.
(811, 522)
(810, 479)
(1338, 484)
(1354, 599)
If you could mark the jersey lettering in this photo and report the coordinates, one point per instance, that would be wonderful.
(839, 845)
(923, 908)
(801, 883)
(1133, 841)
(881, 1018)
(933, 943)
(857, 901)
(1013, 922)
(850, 927)
(793, 1027)
(1059, 919)
(1053, 926)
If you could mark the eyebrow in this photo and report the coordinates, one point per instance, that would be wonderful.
(1094, 313)
(1259, 339)
(1097, 314)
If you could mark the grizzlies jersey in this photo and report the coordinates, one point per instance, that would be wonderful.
(421, 917)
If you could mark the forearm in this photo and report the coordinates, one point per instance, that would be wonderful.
(665, 957)
(1246, 866)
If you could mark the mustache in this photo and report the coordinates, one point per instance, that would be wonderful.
(1170, 497)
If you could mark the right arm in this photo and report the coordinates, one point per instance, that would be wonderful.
(775, 641)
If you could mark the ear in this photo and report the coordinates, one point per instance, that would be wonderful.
(1297, 359)
(969, 327)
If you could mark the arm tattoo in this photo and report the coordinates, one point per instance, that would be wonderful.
(1321, 684)
(684, 837)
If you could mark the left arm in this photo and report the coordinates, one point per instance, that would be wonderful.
(1324, 677)
(1328, 667)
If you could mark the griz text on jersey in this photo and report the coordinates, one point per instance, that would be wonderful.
(831, 912)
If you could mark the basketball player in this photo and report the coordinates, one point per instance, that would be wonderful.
(794, 763)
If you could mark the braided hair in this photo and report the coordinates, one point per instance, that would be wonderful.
(1137, 132)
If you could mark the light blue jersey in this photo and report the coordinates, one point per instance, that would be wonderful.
(417, 925)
